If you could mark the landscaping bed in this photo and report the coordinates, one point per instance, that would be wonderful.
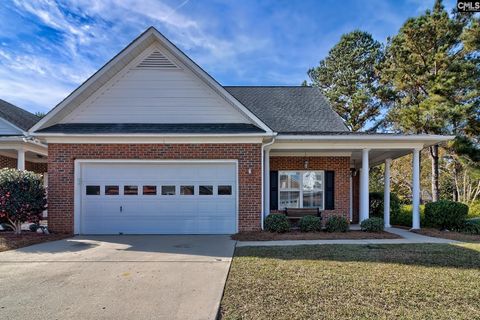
(10, 241)
(297, 235)
(452, 235)
(408, 281)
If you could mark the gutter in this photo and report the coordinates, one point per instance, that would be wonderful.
(264, 146)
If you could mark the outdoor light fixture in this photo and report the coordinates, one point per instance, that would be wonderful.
(306, 164)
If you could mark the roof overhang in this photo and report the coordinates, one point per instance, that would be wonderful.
(21, 142)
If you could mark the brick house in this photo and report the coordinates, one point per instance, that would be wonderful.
(151, 143)
(17, 148)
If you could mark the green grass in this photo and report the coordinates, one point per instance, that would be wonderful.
(431, 281)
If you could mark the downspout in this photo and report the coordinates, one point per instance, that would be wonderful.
(264, 145)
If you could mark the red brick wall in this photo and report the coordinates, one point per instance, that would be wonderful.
(61, 173)
(7, 162)
(341, 166)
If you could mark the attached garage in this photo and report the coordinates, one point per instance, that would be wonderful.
(156, 197)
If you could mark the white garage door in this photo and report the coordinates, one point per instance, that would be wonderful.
(158, 198)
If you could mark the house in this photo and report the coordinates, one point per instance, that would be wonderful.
(17, 148)
(151, 143)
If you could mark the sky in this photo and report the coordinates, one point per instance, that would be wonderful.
(48, 48)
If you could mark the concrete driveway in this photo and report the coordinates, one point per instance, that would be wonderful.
(116, 277)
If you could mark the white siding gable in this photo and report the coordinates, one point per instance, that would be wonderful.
(6, 128)
(155, 88)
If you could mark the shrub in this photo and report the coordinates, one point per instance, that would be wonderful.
(277, 222)
(445, 214)
(471, 227)
(22, 197)
(336, 224)
(404, 216)
(374, 224)
(310, 224)
(376, 204)
(33, 227)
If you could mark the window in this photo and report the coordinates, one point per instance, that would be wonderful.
(93, 190)
(205, 190)
(187, 190)
(301, 189)
(149, 190)
(111, 190)
(130, 190)
(168, 190)
(224, 190)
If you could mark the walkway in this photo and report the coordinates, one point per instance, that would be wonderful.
(407, 237)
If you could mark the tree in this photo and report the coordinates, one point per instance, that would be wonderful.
(349, 79)
(22, 197)
(432, 67)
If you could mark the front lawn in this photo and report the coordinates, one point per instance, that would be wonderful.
(10, 241)
(449, 235)
(423, 281)
(322, 235)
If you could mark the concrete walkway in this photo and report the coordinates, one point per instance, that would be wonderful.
(407, 237)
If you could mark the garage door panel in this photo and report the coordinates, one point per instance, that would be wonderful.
(156, 213)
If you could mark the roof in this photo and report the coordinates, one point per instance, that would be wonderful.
(290, 109)
(152, 128)
(17, 116)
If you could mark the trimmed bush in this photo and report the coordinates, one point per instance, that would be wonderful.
(404, 216)
(376, 204)
(336, 224)
(445, 214)
(310, 224)
(374, 224)
(277, 222)
(33, 227)
(22, 197)
(471, 227)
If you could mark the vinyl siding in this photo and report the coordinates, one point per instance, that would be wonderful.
(155, 96)
(7, 129)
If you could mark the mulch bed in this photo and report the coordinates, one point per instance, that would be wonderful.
(452, 235)
(10, 241)
(297, 235)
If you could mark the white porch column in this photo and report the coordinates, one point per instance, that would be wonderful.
(20, 159)
(364, 199)
(416, 189)
(386, 195)
(266, 183)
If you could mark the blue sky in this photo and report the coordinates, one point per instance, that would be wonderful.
(47, 48)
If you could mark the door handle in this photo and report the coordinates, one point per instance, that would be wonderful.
(121, 208)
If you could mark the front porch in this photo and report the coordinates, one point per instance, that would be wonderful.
(350, 157)
(23, 154)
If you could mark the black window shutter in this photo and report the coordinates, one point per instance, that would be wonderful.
(329, 190)
(273, 190)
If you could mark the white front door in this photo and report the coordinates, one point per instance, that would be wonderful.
(158, 198)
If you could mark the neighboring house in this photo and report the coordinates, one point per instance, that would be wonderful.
(153, 144)
(17, 149)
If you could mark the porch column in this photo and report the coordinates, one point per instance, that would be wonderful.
(20, 159)
(386, 195)
(266, 183)
(364, 200)
(416, 190)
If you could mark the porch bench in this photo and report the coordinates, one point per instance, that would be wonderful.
(295, 214)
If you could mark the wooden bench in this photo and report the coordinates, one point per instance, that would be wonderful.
(295, 214)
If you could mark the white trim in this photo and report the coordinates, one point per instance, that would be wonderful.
(77, 208)
(155, 140)
(176, 53)
(309, 154)
(345, 145)
(372, 137)
(300, 190)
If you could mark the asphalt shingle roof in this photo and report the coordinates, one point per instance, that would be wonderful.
(151, 128)
(290, 109)
(17, 116)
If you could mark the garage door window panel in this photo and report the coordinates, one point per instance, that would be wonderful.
(130, 190)
(168, 190)
(205, 190)
(149, 190)
(112, 190)
(92, 190)
(187, 190)
(224, 190)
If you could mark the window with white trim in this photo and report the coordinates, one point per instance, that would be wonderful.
(301, 189)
